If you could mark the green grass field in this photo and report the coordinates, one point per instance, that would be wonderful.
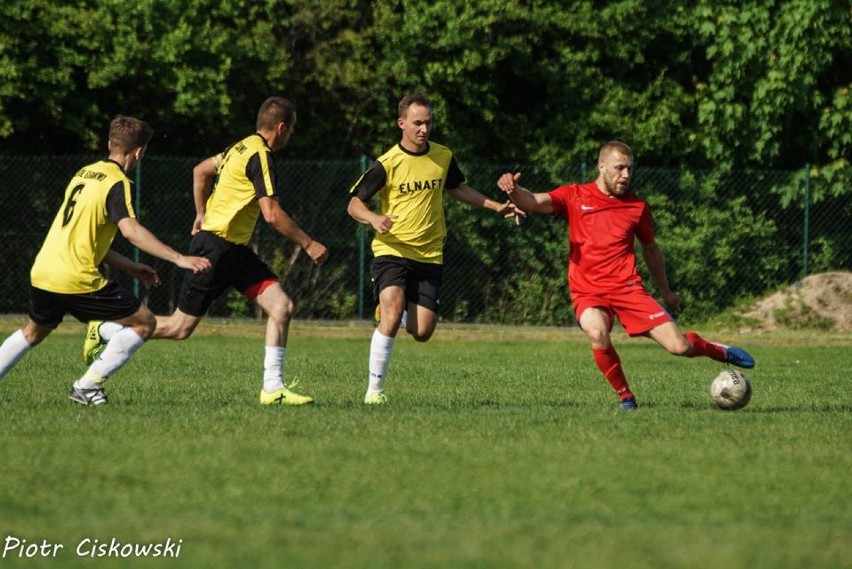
(501, 448)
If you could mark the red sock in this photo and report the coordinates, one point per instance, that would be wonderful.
(610, 365)
(701, 347)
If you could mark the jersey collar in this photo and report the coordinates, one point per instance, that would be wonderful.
(424, 152)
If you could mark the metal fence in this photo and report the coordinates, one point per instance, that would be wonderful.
(727, 236)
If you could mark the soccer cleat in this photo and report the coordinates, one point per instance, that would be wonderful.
(94, 396)
(284, 396)
(93, 345)
(628, 404)
(738, 357)
(377, 398)
(377, 315)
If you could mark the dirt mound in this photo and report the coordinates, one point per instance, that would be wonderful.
(819, 302)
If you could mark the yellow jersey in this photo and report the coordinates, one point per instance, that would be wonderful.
(411, 187)
(246, 173)
(96, 199)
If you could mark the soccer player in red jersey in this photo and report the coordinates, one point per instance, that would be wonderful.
(604, 219)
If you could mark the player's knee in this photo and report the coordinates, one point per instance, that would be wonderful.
(679, 347)
(282, 310)
(33, 338)
(180, 333)
(146, 325)
(422, 336)
(35, 334)
(598, 336)
(423, 332)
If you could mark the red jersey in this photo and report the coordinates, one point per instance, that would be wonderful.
(601, 233)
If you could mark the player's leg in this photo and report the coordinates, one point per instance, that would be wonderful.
(421, 322)
(390, 277)
(699, 347)
(392, 305)
(198, 292)
(20, 342)
(133, 331)
(641, 314)
(46, 311)
(423, 300)
(178, 326)
(691, 345)
(392, 302)
(670, 338)
(597, 323)
(279, 310)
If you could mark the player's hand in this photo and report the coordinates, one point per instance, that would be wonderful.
(196, 225)
(515, 212)
(145, 274)
(510, 210)
(509, 182)
(672, 300)
(194, 264)
(317, 251)
(383, 223)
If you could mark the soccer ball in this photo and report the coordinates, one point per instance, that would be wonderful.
(730, 390)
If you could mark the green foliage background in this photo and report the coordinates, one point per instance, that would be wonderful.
(736, 110)
(697, 82)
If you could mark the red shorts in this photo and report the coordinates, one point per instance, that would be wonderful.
(635, 308)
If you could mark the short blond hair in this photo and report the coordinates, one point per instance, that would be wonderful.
(614, 146)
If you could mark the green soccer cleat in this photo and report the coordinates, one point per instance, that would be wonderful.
(284, 397)
(93, 345)
(377, 398)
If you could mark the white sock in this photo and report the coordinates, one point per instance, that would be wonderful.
(273, 368)
(380, 353)
(108, 329)
(12, 350)
(404, 320)
(116, 353)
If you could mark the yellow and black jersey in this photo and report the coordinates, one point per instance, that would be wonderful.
(411, 187)
(98, 197)
(246, 173)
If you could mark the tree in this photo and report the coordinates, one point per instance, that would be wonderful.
(699, 83)
(777, 91)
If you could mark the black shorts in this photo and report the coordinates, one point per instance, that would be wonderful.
(233, 266)
(422, 281)
(112, 302)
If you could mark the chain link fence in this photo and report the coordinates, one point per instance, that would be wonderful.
(727, 236)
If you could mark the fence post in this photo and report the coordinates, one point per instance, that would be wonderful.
(137, 206)
(362, 253)
(806, 227)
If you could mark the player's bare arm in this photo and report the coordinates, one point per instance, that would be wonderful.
(468, 195)
(522, 197)
(275, 216)
(359, 211)
(145, 274)
(202, 184)
(656, 262)
(139, 236)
